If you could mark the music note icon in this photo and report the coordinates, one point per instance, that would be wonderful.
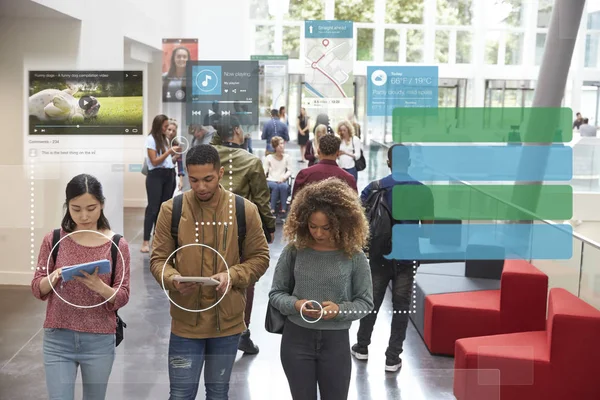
(206, 79)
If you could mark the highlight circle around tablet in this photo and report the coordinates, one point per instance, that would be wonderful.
(302, 315)
(162, 277)
(112, 266)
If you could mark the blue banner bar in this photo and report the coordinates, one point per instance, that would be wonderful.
(495, 241)
(329, 29)
(484, 163)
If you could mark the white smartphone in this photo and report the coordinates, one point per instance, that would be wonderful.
(197, 279)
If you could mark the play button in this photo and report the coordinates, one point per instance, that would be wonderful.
(211, 113)
(84, 102)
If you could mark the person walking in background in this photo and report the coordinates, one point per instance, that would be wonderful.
(249, 182)
(273, 128)
(202, 134)
(399, 272)
(83, 335)
(303, 132)
(587, 130)
(160, 181)
(355, 125)
(278, 169)
(329, 148)
(172, 137)
(326, 230)
(206, 340)
(323, 119)
(578, 121)
(312, 146)
(350, 148)
(283, 116)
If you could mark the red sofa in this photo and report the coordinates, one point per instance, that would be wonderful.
(559, 363)
(518, 306)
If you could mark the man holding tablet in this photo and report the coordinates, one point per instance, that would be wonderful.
(207, 318)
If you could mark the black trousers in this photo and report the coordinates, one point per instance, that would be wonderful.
(160, 186)
(402, 277)
(312, 357)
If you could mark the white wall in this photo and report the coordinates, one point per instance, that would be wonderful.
(80, 35)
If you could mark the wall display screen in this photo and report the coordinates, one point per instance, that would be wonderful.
(220, 88)
(176, 54)
(86, 102)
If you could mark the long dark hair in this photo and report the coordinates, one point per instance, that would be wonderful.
(79, 185)
(157, 133)
(173, 67)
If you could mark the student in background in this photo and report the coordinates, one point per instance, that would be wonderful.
(350, 148)
(326, 230)
(312, 146)
(160, 181)
(278, 169)
(587, 130)
(273, 128)
(81, 334)
(283, 116)
(172, 135)
(303, 132)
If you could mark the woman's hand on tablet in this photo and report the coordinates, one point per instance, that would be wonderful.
(93, 281)
(55, 276)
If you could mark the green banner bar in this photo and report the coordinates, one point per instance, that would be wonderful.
(483, 125)
(480, 202)
(268, 57)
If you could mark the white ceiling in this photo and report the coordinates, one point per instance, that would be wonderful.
(28, 9)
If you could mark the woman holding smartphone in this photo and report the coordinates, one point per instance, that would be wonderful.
(160, 181)
(80, 324)
(326, 230)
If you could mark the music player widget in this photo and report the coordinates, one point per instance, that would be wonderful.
(222, 88)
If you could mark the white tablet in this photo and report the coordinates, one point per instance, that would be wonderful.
(197, 279)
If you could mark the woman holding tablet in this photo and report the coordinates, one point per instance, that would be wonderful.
(326, 230)
(80, 324)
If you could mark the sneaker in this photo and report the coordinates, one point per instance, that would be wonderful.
(359, 352)
(393, 365)
(246, 344)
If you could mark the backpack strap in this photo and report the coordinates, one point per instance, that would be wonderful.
(240, 216)
(114, 248)
(55, 239)
(175, 217)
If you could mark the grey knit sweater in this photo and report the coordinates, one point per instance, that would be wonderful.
(323, 276)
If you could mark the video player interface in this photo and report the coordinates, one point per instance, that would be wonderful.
(85, 102)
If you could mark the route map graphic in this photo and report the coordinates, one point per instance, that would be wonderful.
(329, 62)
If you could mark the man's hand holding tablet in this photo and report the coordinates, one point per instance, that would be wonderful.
(187, 285)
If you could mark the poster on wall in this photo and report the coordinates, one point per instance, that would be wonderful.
(272, 84)
(176, 54)
(329, 68)
(400, 86)
(86, 102)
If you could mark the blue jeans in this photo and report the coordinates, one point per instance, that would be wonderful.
(279, 191)
(352, 171)
(188, 356)
(64, 350)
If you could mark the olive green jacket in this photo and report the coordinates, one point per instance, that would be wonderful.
(249, 179)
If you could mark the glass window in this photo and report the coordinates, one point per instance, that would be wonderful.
(492, 44)
(540, 42)
(391, 45)
(414, 45)
(544, 13)
(514, 49)
(463, 47)
(454, 12)
(264, 39)
(364, 47)
(291, 42)
(259, 9)
(442, 44)
(594, 20)
(355, 10)
(592, 45)
(504, 13)
(404, 11)
(301, 10)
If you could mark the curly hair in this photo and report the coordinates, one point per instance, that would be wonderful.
(348, 126)
(329, 144)
(334, 198)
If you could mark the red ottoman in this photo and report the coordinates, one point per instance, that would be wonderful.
(556, 364)
(519, 306)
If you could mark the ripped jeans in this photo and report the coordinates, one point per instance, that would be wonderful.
(188, 356)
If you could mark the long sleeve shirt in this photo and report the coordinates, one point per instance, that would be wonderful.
(277, 170)
(321, 171)
(323, 276)
(60, 314)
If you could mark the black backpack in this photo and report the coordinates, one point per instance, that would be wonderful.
(380, 221)
(240, 216)
(113, 254)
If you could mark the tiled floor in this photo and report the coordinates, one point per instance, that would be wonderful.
(140, 370)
